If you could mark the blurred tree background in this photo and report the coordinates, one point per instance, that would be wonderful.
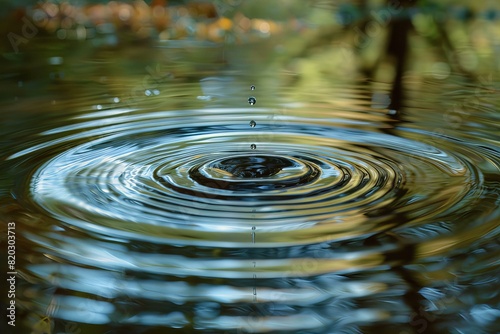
(307, 42)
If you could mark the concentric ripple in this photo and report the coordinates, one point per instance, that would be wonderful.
(192, 179)
(317, 230)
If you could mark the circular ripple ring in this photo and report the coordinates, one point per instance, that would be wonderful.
(156, 180)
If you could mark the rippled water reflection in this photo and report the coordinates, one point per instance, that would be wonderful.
(157, 215)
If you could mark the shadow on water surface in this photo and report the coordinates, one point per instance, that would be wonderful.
(356, 193)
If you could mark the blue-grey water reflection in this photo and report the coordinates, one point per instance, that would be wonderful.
(290, 178)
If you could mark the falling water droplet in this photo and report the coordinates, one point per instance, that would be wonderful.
(253, 236)
(252, 87)
(252, 124)
(253, 146)
(252, 100)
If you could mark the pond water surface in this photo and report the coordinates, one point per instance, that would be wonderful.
(149, 196)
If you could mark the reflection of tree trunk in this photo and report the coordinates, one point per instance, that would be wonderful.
(398, 48)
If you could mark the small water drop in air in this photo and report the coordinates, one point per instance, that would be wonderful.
(253, 146)
(253, 124)
(252, 100)
(252, 87)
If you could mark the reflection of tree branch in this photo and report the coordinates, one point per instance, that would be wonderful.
(329, 34)
(447, 45)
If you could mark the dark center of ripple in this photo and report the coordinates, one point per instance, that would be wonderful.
(252, 172)
(253, 166)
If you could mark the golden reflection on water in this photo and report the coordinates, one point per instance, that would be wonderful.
(401, 219)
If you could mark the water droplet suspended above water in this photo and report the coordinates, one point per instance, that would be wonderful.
(253, 146)
(252, 124)
(252, 100)
(252, 87)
